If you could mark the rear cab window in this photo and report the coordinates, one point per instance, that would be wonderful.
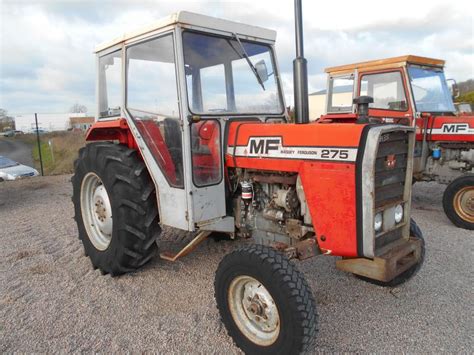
(340, 94)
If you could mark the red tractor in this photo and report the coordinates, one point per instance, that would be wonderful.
(413, 91)
(192, 133)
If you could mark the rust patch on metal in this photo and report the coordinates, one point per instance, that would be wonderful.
(387, 266)
(307, 249)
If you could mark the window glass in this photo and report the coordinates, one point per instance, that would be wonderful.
(110, 84)
(151, 85)
(220, 78)
(340, 94)
(387, 90)
(213, 88)
(249, 96)
(152, 100)
(206, 152)
(430, 90)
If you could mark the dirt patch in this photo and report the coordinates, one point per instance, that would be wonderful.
(22, 254)
(39, 269)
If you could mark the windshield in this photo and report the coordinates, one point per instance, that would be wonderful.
(6, 163)
(223, 75)
(430, 90)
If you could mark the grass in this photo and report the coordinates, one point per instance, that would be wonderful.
(58, 158)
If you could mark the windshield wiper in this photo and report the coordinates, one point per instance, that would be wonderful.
(249, 62)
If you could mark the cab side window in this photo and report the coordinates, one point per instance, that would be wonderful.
(110, 84)
(387, 90)
(152, 101)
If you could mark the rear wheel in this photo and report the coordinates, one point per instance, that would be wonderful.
(415, 232)
(115, 208)
(265, 302)
(458, 202)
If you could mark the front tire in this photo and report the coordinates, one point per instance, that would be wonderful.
(264, 302)
(115, 208)
(458, 202)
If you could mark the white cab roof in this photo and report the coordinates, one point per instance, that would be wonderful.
(190, 19)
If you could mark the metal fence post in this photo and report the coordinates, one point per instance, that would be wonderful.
(39, 145)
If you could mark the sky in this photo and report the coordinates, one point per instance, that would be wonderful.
(46, 47)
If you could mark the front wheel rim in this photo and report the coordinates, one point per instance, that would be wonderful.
(464, 203)
(96, 211)
(253, 310)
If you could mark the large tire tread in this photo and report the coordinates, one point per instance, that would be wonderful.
(135, 214)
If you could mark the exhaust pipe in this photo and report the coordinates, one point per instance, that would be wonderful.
(300, 71)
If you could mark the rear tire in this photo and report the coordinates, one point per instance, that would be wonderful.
(115, 208)
(415, 232)
(264, 302)
(458, 202)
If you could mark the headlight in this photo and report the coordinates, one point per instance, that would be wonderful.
(378, 222)
(398, 213)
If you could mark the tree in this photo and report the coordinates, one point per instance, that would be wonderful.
(78, 108)
(6, 122)
(466, 86)
(467, 98)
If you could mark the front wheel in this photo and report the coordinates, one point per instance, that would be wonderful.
(264, 302)
(458, 202)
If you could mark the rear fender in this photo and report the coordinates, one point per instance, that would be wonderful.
(114, 130)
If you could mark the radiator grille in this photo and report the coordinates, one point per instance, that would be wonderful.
(390, 168)
(390, 179)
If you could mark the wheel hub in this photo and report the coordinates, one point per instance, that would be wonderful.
(96, 211)
(464, 203)
(254, 310)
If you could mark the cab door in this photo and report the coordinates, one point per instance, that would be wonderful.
(203, 141)
(152, 111)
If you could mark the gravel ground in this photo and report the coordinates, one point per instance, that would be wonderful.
(51, 300)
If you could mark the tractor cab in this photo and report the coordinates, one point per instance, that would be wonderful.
(176, 84)
(402, 88)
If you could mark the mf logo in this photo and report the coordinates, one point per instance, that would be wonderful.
(390, 161)
(455, 127)
(264, 145)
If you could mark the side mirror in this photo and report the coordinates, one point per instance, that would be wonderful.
(453, 88)
(261, 69)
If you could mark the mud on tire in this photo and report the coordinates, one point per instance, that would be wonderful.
(288, 288)
(132, 197)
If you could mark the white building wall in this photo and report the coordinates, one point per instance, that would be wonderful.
(47, 121)
(317, 106)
